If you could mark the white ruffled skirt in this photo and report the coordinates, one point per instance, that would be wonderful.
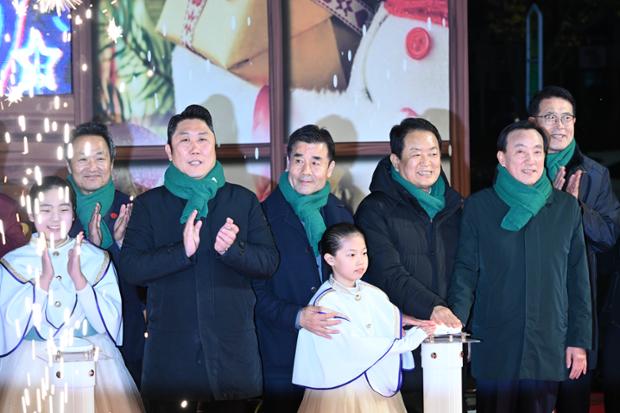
(355, 397)
(23, 378)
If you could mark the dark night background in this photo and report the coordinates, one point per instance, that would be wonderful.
(581, 47)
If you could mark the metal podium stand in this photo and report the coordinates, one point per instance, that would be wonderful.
(442, 361)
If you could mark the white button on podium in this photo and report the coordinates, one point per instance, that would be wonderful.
(442, 361)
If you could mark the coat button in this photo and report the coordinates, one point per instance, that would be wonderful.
(313, 289)
(57, 304)
(55, 253)
(368, 325)
(59, 277)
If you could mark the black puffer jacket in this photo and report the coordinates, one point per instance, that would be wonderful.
(411, 256)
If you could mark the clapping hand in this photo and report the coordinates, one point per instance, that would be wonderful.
(191, 234)
(573, 182)
(73, 264)
(120, 225)
(47, 269)
(226, 236)
(94, 226)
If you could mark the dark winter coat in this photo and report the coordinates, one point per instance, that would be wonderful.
(297, 278)
(527, 292)
(411, 257)
(202, 342)
(601, 224)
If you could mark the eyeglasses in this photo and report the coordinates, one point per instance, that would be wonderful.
(552, 118)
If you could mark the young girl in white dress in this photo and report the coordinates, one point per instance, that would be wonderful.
(52, 290)
(359, 368)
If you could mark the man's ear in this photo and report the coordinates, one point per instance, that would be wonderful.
(330, 168)
(501, 158)
(395, 161)
(168, 150)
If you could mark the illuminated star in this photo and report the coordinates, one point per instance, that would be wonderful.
(114, 31)
(20, 7)
(14, 96)
(37, 74)
(46, 6)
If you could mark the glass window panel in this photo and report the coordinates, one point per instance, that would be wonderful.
(351, 179)
(358, 72)
(174, 53)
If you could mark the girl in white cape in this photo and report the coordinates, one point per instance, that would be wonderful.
(359, 368)
(53, 289)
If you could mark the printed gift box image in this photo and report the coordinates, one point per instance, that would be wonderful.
(234, 35)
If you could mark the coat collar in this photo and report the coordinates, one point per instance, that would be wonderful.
(576, 162)
(382, 182)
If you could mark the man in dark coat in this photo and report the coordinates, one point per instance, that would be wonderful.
(609, 271)
(412, 229)
(12, 234)
(521, 265)
(553, 109)
(103, 213)
(197, 243)
(282, 301)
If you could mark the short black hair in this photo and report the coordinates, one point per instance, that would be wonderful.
(332, 237)
(398, 133)
(549, 92)
(51, 182)
(502, 140)
(312, 134)
(96, 129)
(190, 112)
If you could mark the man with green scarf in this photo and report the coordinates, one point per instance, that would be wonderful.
(411, 221)
(103, 213)
(553, 109)
(197, 242)
(298, 210)
(521, 281)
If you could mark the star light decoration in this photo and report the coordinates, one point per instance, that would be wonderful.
(21, 8)
(45, 6)
(36, 74)
(114, 31)
(14, 96)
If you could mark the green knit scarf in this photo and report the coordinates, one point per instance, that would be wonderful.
(432, 202)
(198, 192)
(525, 201)
(86, 204)
(556, 160)
(308, 209)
